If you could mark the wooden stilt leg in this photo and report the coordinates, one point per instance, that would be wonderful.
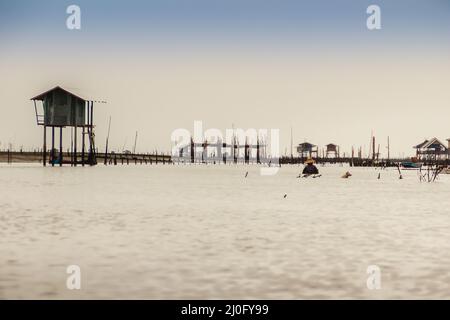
(83, 147)
(60, 147)
(52, 153)
(75, 160)
(44, 148)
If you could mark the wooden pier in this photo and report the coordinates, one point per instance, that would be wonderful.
(111, 159)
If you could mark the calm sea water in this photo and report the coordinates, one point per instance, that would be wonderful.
(206, 232)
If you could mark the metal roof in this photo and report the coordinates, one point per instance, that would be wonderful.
(428, 143)
(306, 144)
(72, 92)
(432, 142)
(420, 145)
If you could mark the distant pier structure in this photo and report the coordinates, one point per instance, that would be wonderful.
(58, 108)
(200, 152)
(432, 150)
(332, 150)
(307, 150)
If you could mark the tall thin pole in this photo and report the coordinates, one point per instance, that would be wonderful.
(107, 142)
(91, 137)
(92, 113)
(135, 142)
(373, 148)
(388, 147)
(292, 145)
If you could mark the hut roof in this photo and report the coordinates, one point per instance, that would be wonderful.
(420, 145)
(306, 145)
(73, 92)
(430, 143)
(331, 145)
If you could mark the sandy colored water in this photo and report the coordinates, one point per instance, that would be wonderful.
(206, 232)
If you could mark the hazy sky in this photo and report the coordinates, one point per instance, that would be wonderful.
(161, 65)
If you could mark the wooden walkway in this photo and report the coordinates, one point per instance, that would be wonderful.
(159, 158)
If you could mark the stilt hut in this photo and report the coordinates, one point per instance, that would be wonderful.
(432, 149)
(307, 149)
(58, 108)
(333, 150)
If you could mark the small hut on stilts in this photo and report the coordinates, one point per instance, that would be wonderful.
(59, 109)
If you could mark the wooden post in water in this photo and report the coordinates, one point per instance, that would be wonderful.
(44, 149)
(75, 145)
(83, 145)
(192, 151)
(246, 152)
(71, 147)
(388, 150)
(60, 146)
(373, 150)
(353, 156)
(52, 153)
(258, 152)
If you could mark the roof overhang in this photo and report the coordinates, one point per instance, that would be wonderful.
(82, 97)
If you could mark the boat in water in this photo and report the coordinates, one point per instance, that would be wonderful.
(411, 165)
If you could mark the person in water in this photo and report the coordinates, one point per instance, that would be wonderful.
(310, 168)
(348, 175)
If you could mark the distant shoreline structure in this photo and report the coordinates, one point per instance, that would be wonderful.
(160, 158)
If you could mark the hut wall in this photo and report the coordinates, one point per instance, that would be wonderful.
(63, 109)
